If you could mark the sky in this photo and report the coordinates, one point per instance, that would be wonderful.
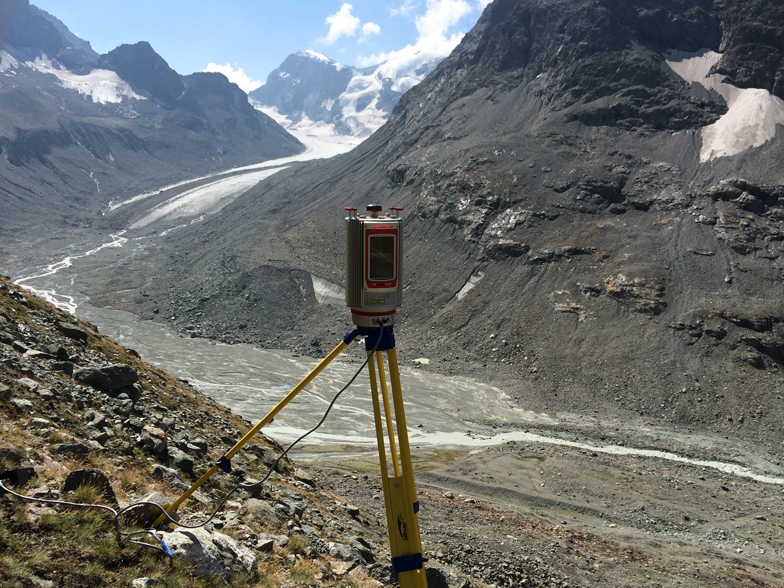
(247, 39)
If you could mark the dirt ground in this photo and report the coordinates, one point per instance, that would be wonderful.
(562, 516)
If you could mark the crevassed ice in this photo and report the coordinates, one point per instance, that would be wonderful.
(753, 114)
(101, 85)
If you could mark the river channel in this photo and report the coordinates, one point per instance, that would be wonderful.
(442, 413)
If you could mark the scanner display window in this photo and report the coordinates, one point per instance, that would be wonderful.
(381, 257)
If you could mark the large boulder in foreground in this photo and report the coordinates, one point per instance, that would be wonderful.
(106, 379)
(215, 554)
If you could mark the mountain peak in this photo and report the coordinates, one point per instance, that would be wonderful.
(309, 53)
(145, 70)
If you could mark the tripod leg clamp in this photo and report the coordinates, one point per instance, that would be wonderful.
(224, 464)
(408, 563)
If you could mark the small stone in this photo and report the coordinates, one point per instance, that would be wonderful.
(5, 392)
(144, 583)
(29, 384)
(448, 495)
(22, 404)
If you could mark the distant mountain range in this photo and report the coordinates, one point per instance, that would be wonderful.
(78, 129)
(310, 88)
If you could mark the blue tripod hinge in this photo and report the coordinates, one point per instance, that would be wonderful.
(408, 563)
(372, 335)
(224, 464)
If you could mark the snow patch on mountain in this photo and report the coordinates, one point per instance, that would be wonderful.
(321, 57)
(753, 114)
(307, 130)
(7, 61)
(101, 85)
(355, 102)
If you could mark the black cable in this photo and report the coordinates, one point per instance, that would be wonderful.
(321, 422)
(164, 549)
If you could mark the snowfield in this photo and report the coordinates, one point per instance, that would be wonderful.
(753, 116)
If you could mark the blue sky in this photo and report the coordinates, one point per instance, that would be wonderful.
(257, 35)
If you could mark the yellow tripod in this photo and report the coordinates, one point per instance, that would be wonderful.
(400, 498)
(399, 492)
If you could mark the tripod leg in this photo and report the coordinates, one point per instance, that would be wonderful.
(266, 420)
(387, 412)
(399, 498)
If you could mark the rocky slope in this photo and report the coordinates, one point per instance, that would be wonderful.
(85, 420)
(567, 235)
(78, 130)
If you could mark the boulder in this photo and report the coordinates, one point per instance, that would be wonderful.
(64, 366)
(27, 383)
(263, 512)
(10, 456)
(181, 460)
(212, 554)
(107, 378)
(22, 404)
(345, 553)
(13, 466)
(153, 439)
(90, 477)
(72, 449)
(5, 392)
(145, 515)
(71, 330)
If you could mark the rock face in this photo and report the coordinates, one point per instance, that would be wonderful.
(143, 68)
(556, 199)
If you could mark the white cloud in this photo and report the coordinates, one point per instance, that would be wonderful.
(440, 16)
(482, 4)
(341, 24)
(238, 76)
(404, 9)
(434, 40)
(370, 28)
